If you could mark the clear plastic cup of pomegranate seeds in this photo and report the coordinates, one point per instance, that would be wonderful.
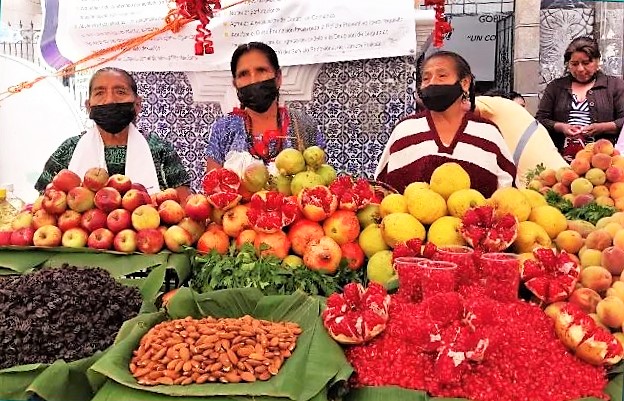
(500, 275)
(462, 256)
(409, 282)
(436, 276)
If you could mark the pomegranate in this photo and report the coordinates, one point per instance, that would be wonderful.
(358, 314)
(276, 244)
(485, 231)
(221, 186)
(235, 220)
(213, 238)
(247, 236)
(353, 194)
(323, 254)
(353, 253)
(592, 343)
(551, 276)
(270, 211)
(317, 203)
(302, 232)
(414, 248)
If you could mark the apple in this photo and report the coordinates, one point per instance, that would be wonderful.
(150, 240)
(214, 238)
(54, 201)
(197, 207)
(120, 182)
(5, 238)
(118, 220)
(48, 235)
(42, 218)
(176, 238)
(93, 219)
(69, 219)
(75, 237)
(342, 226)
(95, 178)
(80, 199)
(235, 220)
(302, 233)
(145, 217)
(102, 238)
(107, 199)
(23, 219)
(167, 194)
(276, 244)
(134, 198)
(23, 236)
(353, 253)
(65, 180)
(37, 204)
(125, 241)
(196, 229)
(171, 212)
(139, 187)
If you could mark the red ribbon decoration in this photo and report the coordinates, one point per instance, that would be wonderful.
(260, 146)
(203, 10)
(442, 27)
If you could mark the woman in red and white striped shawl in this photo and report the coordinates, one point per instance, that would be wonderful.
(446, 132)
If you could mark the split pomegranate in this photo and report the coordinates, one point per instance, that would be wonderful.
(551, 276)
(221, 186)
(352, 194)
(270, 211)
(485, 231)
(590, 342)
(317, 203)
(358, 314)
(414, 248)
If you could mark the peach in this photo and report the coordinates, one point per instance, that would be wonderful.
(616, 290)
(605, 201)
(581, 226)
(615, 174)
(567, 176)
(582, 199)
(580, 166)
(616, 190)
(611, 311)
(584, 154)
(617, 161)
(601, 161)
(619, 204)
(603, 146)
(602, 223)
(618, 240)
(618, 217)
(581, 186)
(596, 176)
(599, 239)
(544, 190)
(591, 257)
(613, 228)
(535, 185)
(548, 177)
(561, 188)
(596, 277)
(600, 190)
(570, 197)
(586, 298)
(569, 241)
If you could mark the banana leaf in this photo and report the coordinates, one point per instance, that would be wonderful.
(316, 364)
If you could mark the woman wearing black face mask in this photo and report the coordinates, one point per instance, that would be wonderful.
(115, 143)
(259, 126)
(585, 104)
(448, 131)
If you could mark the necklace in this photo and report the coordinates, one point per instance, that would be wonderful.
(268, 145)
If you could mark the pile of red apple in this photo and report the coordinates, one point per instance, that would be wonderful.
(595, 174)
(108, 213)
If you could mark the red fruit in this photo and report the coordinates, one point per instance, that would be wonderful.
(270, 211)
(353, 253)
(551, 276)
(487, 232)
(302, 233)
(276, 244)
(352, 194)
(358, 314)
(5, 238)
(323, 254)
(65, 180)
(214, 238)
(221, 188)
(317, 203)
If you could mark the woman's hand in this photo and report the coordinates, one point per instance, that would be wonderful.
(568, 129)
(597, 128)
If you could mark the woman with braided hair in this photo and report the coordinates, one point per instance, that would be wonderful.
(447, 131)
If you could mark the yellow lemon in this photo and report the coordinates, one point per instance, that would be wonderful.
(550, 218)
(414, 186)
(379, 268)
(448, 178)
(511, 200)
(400, 227)
(462, 200)
(535, 198)
(371, 241)
(445, 231)
(426, 205)
(393, 203)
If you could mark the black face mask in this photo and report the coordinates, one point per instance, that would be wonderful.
(113, 117)
(258, 96)
(440, 97)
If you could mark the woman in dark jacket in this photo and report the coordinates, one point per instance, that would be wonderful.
(585, 104)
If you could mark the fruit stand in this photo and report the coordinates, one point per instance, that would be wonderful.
(306, 285)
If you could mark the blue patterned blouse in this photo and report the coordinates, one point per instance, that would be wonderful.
(229, 133)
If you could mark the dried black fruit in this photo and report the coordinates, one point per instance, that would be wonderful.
(67, 313)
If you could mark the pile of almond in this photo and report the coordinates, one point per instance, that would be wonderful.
(228, 350)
